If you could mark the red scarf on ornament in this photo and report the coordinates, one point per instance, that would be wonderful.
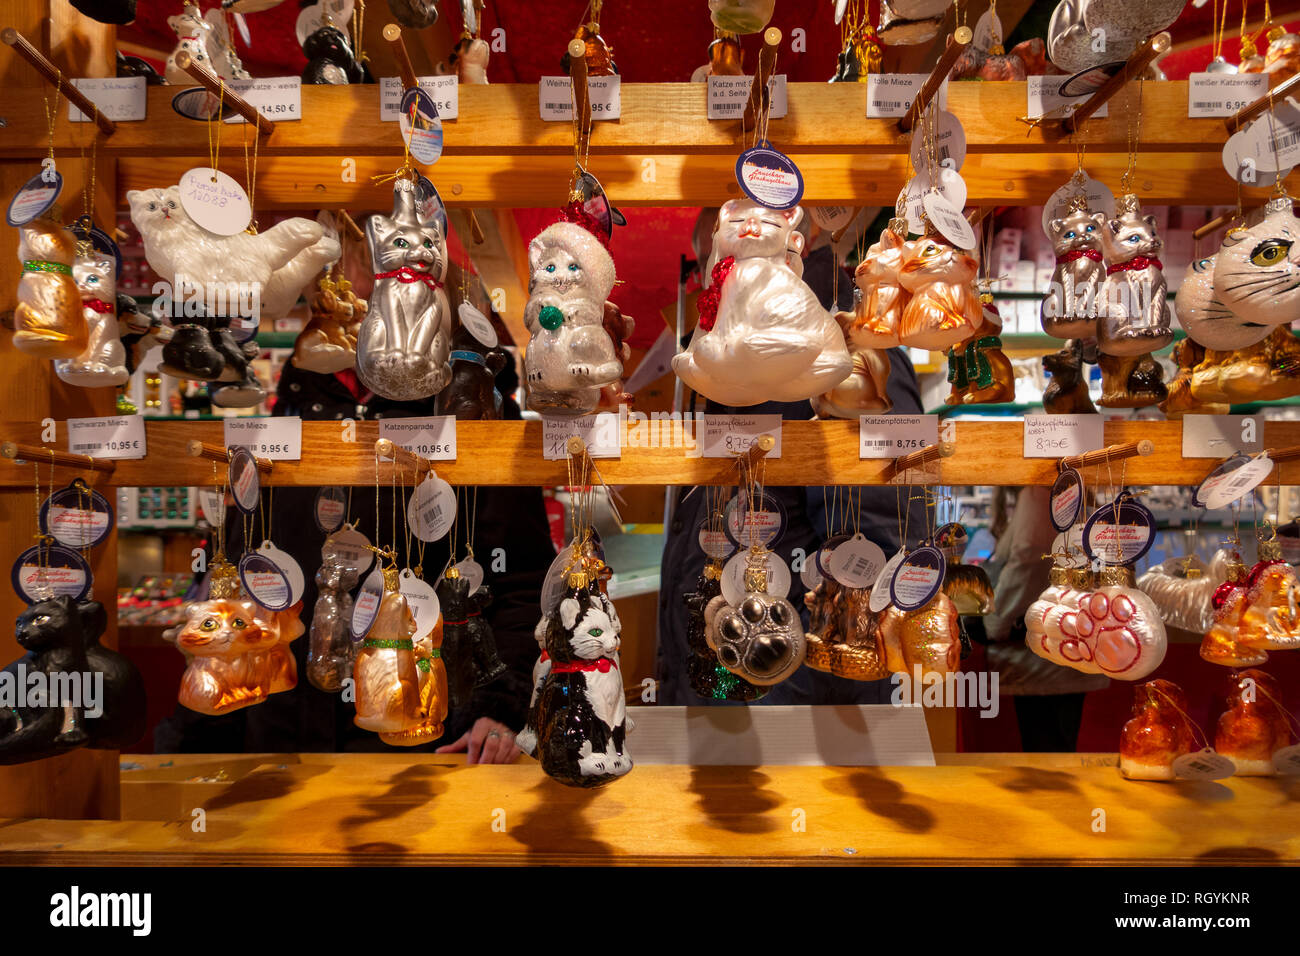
(707, 305)
(1137, 262)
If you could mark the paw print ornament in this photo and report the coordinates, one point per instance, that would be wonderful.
(1116, 631)
(761, 639)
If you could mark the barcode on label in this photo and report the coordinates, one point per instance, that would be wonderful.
(890, 104)
(879, 443)
(1200, 765)
(1290, 139)
(861, 565)
(557, 106)
(1204, 106)
(85, 447)
(944, 152)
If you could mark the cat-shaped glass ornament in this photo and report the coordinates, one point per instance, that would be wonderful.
(387, 675)
(1254, 727)
(1133, 317)
(404, 344)
(1158, 732)
(206, 39)
(762, 335)
(331, 653)
(928, 637)
(879, 312)
(1069, 309)
(944, 307)
(48, 320)
(251, 276)
(104, 360)
(329, 342)
(571, 355)
(1205, 319)
(434, 693)
(1257, 269)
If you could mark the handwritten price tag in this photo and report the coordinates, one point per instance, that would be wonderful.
(1057, 436)
(725, 436)
(277, 98)
(444, 90)
(891, 94)
(555, 98)
(729, 94)
(1222, 94)
(600, 432)
(888, 436)
(432, 438)
(115, 437)
(279, 439)
(122, 99)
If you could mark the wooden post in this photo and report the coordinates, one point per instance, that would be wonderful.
(766, 64)
(393, 34)
(217, 87)
(54, 76)
(1247, 113)
(956, 44)
(1130, 449)
(1136, 65)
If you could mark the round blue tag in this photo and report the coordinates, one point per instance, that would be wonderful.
(198, 104)
(44, 571)
(769, 177)
(245, 483)
(763, 526)
(420, 125)
(331, 508)
(1217, 477)
(265, 582)
(35, 198)
(76, 516)
(1119, 534)
(823, 554)
(1067, 499)
(918, 579)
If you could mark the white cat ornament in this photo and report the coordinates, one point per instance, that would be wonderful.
(104, 360)
(763, 336)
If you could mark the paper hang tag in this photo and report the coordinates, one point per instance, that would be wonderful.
(76, 517)
(429, 205)
(949, 184)
(331, 508)
(918, 579)
(822, 556)
(857, 562)
(289, 566)
(986, 27)
(99, 240)
(1287, 760)
(215, 201)
(1100, 199)
(45, 571)
(733, 577)
(763, 526)
(350, 548)
(366, 605)
(1242, 159)
(1276, 137)
(769, 177)
(810, 574)
(831, 218)
(1121, 541)
(1235, 478)
(212, 503)
(949, 142)
(478, 325)
(423, 601)
(311, 19)
(432, 509)
(472, 572)
(1203, 765)
(947, 218)
(420, 126)
(116, 436)
(716, 544)
(245, 482)
(556, 580)
(595, 203)
(881, 592)
(35, 197)
(265, 581)
(1067, 499)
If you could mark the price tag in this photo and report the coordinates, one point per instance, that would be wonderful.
(1203, 765)
(277, 98)
(949, 140)
(116, 437)
(472, 572)
(950, 185)
(1243, 158)
(1223, 94)
(729, 94)
(947, 218)
(433, 438)
(312, 18)
(600, 432)
(556, 582)
(1235, 478)
(1276, 135)
(890, 95)
(1100, 199)
(1058, 436)
(432, 509)
(555, 98)
(881, 593)
(478, 325)
(1218, 436)
(986, 27)
(423, 601)
(1045, 99)
(350, 548)
(725, 436)
(121, 98)
(444, 90)
(888, 436)
(278, 439)
(215, 201)
(366, 606)
(857, 562)
(213, 505)
(831, 218)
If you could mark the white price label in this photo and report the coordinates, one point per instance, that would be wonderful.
(890, 95)
(432, 438)
(114, 437)
(949, 143)
(444, 90)
(279, 439)
(1218, 436)
(1057, 436)
(1046, 101)
(729, 94)
(555, 98)
(600, 433)
(277, 98)
(121, 98)
(1275, 137)
(1219, 491)
(888, 436)
(1223, 94)
(726, 436)
(946, 216)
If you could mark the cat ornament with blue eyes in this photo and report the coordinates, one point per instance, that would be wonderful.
(1069, 310)
(104, 360)
(404, 343)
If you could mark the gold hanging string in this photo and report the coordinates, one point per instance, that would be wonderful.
(1205, 743)
(250, 178)
(214, 139)
(1219, 17)
(1134, 140)
(52, 111)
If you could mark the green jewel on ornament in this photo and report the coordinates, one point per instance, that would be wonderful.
(550, 317)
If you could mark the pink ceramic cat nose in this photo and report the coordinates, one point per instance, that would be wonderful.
(752, 227)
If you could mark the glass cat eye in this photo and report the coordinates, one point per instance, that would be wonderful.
(400, 243)
(596, 632)
(1270, 252)
(209, 625)
(239, 622)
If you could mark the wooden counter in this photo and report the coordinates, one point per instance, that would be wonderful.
(398, 808)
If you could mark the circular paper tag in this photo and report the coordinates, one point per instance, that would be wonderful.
(76, 517)
(951, 186)
(1100, 199)
(918, 579)
(810, 574)
(1118, 543)
(472, 572)
(478, 325)
(1246, 159)
(1287, 760)
(762, 526)
(350, 548)
(857, 562)
(1203, 765)
(831, 218)
(331, 508)
(45, 571)
(822, 557)
(265, 582)
(432, 509)
(1067, 499)
(881, 593)
(1232, 479)
(423, 601)
(949, 140)
(34, 197)
(985, 28)
(595, 203)
(947, 218)
(245, 483)
(733, 577)
(212, 502)
(311, 18)
(769, 177)
(367, 603)
(289, 566)
(556, 580)
(715, 544)
(1276, 145)
(215, 201)
(420, 125)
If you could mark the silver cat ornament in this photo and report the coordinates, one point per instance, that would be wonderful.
(1133, 318)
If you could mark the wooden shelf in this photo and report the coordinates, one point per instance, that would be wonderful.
(500, 153)
(510, 453)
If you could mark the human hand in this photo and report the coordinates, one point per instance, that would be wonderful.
(488, 741)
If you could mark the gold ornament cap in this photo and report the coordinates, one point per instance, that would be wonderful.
(225, 580)
(713, 571)
(1270, 550)
(453, 573)
(578, 579)
(1128, 203)
(1117, 576)
(756, 580)
(1058, 576)
(1081, 578)
(1191, 574)
(391, 581)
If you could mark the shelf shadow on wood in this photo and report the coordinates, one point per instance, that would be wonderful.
(883, 797)
(735, 798)
(1034, 779)
(1238, 854)
(272, 783)
(557, 825)
(410, 788)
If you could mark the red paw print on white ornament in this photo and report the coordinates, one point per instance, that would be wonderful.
(1106, 633)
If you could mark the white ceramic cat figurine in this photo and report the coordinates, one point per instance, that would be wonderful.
(104, 360)
(1133, 318)
(763, 336)
(570, 357)
(1257, 270)
(207, 40)
(404, 344)
(1207, 321)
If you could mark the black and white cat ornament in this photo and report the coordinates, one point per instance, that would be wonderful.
(578, 722)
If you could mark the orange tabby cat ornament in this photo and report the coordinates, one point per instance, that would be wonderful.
(1157, 734)
(1254, 727)
(945, 305)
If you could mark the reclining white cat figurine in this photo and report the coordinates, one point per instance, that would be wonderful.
(763, 336)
